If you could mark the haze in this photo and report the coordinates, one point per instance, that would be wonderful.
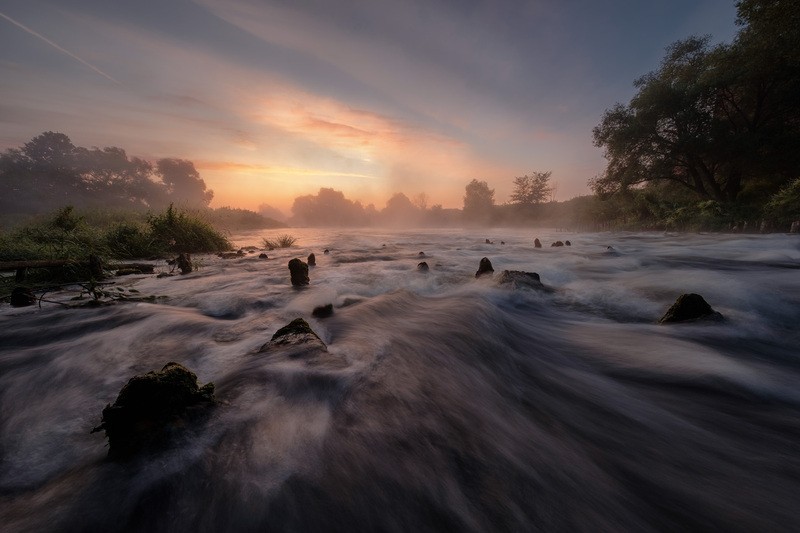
(273, 100)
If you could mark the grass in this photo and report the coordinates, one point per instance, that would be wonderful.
(281, 241)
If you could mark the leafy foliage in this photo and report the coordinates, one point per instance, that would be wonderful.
(531, 189)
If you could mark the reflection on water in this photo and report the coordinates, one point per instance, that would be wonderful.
(444, 403)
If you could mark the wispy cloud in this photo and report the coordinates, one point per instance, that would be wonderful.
(57, 47)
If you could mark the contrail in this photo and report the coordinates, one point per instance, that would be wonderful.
(57, 47)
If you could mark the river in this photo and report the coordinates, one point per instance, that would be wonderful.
(452, 403)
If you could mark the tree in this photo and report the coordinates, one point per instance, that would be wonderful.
(531, 189)
(183, 182)
(400, 210)
(328, 207)
(478, 201)
(723, 122)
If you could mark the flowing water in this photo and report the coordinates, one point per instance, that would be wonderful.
(445, 402)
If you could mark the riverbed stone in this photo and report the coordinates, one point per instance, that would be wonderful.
(312, 260)
(484, 268)
(184, 263)
(423, 266)
(537, 243)
(689, 307)
(22, 297)
(299, 272)
(518, 279)
(153, 408)
(322, 311)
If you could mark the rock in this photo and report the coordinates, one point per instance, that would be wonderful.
(184, 263)
(567, 243)
(153, 408)
(326, 252)
(312, 260)
(537, 243)
(557, 243)
(421, 254)
(485, 267)
(263, 256)
(164, 275)
(230, 255)
(295, 332)
(502, 242)
(689, 307)
(423, 267)
(518, 279)
(22, 297)
(323, 311)
(489, 242)
(299, 272)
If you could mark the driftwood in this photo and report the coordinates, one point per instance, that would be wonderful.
(22, 266)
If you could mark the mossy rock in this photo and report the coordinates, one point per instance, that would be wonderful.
(152, 408)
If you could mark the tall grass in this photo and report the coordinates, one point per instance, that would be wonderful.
(281, 241)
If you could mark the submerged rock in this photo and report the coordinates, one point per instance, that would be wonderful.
(537, 243)
(152, 408)
(296, 332)
(326, 252)
(485, 267)
(689, 307)
(184, 263)
(299, 272)
(567, 243)
(557, 244)
(322, 311)
(518, 279)
(423, 266)
(22, 297)
(263, 256)
(312, 260)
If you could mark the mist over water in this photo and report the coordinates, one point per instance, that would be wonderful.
(445, 402)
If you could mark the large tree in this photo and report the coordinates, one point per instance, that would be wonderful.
(718, 121)
(478, 201)
(531, 189)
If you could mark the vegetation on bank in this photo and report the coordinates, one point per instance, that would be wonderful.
(711, 140)
(70, 234)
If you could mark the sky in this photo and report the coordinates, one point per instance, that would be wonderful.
(273, 99)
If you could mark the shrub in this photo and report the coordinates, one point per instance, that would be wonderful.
(178, 231)
(282, 241)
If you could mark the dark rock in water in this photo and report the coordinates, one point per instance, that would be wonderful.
(485, 267)
(296, 332)
(184, 263)
(502, 242)
(22, 297)
(323, 311)
(421, 254)
(489, 242)
(230, 255)
(537, 243)
(689, 307)
(263, 256)
(423, 266)
(518, 279)
(557, 243)
(299, 272)
(164, 275)
(153, 408)
(567, 243)
(312, 260)
(326, 252)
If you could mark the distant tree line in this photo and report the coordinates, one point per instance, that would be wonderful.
(49, 172)
(712, 137)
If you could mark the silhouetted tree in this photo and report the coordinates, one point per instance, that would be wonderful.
(478, 201)
(183, 182)
(328, 207)
(531, 189)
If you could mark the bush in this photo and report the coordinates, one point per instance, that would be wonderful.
(282, 241)
(178, 231)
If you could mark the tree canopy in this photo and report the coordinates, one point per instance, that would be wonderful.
(478, 201)
(49, 172)
(722, 122)
(531, 189)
